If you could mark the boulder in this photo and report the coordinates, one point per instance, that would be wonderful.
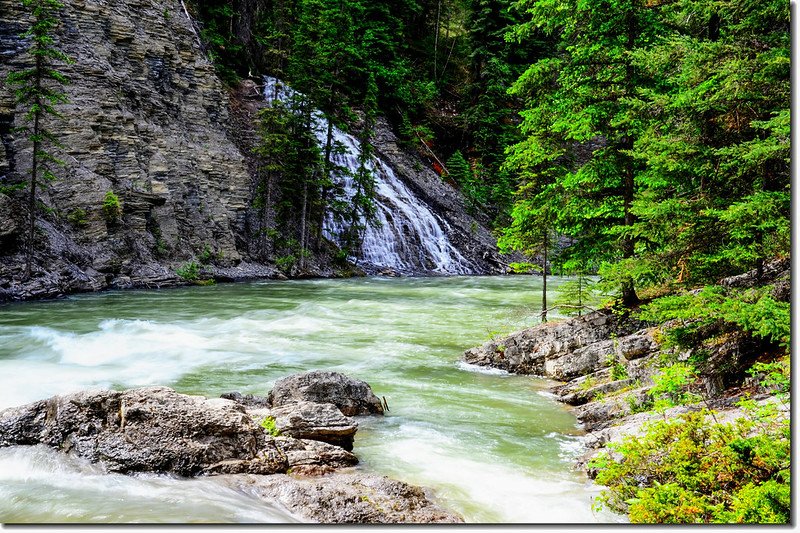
(152, 429)
(352, 396)
(247, 400)
(350, 498)
(637, 345)
(316, 421)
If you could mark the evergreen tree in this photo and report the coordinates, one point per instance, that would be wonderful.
(716, 141)
(575, 295)
(37, 89)
(362, 209)
(579, 126)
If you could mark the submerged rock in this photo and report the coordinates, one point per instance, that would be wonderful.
(348, 498)
(352, 396)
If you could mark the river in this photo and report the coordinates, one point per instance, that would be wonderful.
(491, 446)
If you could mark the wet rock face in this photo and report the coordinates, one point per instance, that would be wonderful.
(152, 429)
(348, 499)
(565, 350)
(352, 396)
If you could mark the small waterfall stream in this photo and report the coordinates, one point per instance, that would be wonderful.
(406, 236)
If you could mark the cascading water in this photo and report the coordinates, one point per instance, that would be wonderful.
(406, 235)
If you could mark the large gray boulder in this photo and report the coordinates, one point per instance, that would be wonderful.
(152, 429)
(352, 396)
(316, 421)
(347, 498)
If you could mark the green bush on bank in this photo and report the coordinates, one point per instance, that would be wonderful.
(695, 470)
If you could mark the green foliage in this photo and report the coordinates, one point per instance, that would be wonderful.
(189, 271)
(587, 383)
(672, 386)
(637, 405)
(286, 263)
(753, 310)
(636, 136)
(473, 188)
(692, 470)
(206, 256)
(618, 369)
(269, 424)
(773, 375)
(37, 89)
(112, 207)
(77, 217)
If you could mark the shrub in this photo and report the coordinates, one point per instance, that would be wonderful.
(188, 271)
(691, 470)
(269, 424)
(206, 256)
(77, 217)
(112, 207)
(753, 311)
(672, 386)
(618, 369)
(286, 262)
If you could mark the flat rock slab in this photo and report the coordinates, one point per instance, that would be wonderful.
(352, 396)
(347, 498)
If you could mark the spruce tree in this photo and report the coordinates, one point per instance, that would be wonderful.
(37, 89)
(716, 141)
(579, 127)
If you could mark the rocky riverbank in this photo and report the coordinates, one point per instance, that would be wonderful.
(292, 447)
(606, 362)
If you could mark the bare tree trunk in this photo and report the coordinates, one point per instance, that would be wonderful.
(303, 240)
(544, 279)
(34, 169)
(436, 40)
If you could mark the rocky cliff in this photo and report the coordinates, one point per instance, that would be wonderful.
(148, 120)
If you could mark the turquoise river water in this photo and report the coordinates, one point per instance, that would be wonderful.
(491, 446)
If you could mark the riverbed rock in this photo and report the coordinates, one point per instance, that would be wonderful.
(247, 400)
(152, 429)
(348, 498)
(560, 350)
(314, 457)
(352, 396)
(316, 421)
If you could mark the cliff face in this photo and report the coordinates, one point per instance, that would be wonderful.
(148, 120)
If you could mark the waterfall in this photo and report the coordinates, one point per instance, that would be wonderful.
(406, 236)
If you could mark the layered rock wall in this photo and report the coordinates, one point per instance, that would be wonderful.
(146, 120)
